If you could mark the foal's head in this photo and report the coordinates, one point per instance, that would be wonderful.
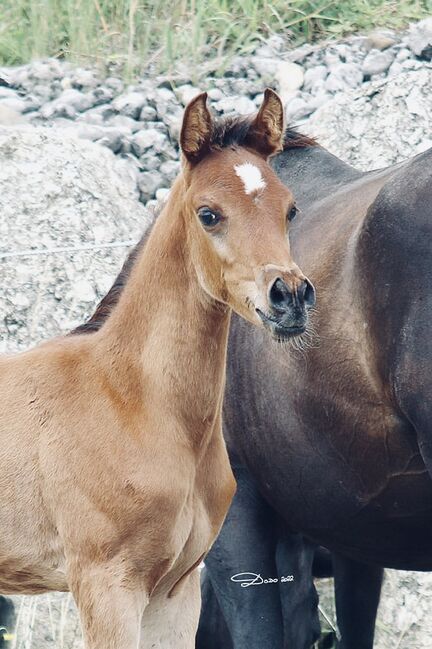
(238, 213)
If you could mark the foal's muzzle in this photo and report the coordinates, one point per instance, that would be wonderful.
(288, 307)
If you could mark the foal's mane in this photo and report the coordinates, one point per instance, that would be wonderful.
(228, 132)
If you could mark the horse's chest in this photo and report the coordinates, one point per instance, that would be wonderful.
(199, 522)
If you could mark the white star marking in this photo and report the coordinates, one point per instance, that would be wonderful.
(251, 177)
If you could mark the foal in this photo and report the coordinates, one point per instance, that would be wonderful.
(115, 479)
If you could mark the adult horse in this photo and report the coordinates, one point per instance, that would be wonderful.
(333, 441)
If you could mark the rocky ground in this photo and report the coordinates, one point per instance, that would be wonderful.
(140, 122)
(69, 209)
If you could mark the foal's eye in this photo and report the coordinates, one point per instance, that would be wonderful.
(208, 218)
(292, 213)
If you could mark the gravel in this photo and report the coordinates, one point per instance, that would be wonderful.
(140, 122)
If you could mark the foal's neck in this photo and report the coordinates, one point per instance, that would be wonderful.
(166, 337)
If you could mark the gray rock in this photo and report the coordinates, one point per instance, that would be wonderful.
(14, 103)
(164, 101)
(162, 194)
(130, 104)
(97, 115)
(146, 139)
(68, 104)
(381, 39)
(343, 76)
(382, 123)
(43, 92)
(113, 138)
(7, 93)
(10, 117)
(420, 38)
(101, 95)
(148, 183)
(124, 122)
(239, 105)
(58, 191)
(403, 54)
(149, 162)
(412, 64)
(186, 93)
(46, 71)
(148, 113)
(115, 84)
(215, 94)
(377, 62)
(170, 169)
(173, 121)
(298, 108)
(314, 74)
(84, 79)
(289, 77)
(265, 67)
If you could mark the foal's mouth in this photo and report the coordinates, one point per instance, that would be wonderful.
(279, 330)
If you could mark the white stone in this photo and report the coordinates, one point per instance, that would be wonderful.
(290, 77)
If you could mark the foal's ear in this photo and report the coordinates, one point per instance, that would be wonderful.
(266, 133)
(196, 131)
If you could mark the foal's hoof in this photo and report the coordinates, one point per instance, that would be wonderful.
(5, 637)
(7, 622)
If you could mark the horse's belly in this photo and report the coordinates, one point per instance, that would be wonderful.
(375, 506)
(19, 577)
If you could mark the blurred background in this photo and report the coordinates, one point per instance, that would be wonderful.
(91, 97)
(139, 34)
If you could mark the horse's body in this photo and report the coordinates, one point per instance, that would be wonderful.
(333, 442)
(338, 437)
(115, 477)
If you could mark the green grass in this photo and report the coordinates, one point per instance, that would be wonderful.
(139, 33)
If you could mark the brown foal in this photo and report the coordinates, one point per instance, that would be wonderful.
(114, 476)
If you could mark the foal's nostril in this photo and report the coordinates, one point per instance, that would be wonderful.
(309, 293)
(280, 297)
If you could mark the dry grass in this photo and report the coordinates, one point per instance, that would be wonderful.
(139, 33)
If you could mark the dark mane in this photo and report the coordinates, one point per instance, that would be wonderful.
(230, 131)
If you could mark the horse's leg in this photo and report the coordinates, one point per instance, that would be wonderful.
(7, 620)
(109, 604)
(170, 622)
(246, 544)
(213, 632)
(357, 589)
(294, 559)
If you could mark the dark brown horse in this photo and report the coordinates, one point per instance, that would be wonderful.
(333, 441)
(337, 437)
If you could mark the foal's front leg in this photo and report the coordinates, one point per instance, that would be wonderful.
(110, 605)
(171, 622)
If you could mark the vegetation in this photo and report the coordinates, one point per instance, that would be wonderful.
(139, 33)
